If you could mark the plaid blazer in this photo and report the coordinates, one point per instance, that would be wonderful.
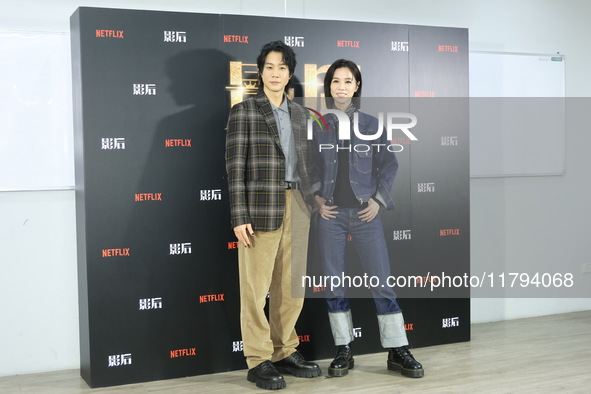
(255, 163)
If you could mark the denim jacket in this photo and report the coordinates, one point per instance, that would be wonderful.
(372, 169)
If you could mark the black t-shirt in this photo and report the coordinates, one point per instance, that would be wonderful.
(343, 193)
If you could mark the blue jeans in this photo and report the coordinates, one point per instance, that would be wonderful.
(368, 238)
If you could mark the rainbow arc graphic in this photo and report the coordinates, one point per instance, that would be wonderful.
(318, 118)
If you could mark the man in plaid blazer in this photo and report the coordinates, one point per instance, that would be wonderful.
(270, 201)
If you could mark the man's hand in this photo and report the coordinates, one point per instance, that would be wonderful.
(325, 212)
(369, 213)
(243, 233)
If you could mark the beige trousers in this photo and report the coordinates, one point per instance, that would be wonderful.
(268, 267)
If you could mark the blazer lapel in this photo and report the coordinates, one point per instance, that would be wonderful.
(266, 111)
(297, 128)
(300, 135)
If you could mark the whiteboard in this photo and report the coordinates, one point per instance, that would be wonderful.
(36, 131)
(517, 114)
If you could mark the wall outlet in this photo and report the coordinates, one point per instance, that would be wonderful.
(586, 268)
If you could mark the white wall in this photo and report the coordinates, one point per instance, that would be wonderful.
(38, 282)
(542, 220)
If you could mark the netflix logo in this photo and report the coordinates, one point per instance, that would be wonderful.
(424, 93)
(448, 48)
(347, 44)
(148, 197)
(183, 352)
(109, 33)
(401, 141)
(238, 39)
(449, 231)
(211, 298)
(304, 338)
(115, 252)
(186, 143)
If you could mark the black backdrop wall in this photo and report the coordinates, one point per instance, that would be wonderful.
(158, 278)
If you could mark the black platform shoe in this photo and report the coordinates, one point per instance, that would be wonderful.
(401, 359)
(342, 362)
(296, 365)
(266, 376)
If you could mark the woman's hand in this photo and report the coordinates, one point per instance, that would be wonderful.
(326, 212)
(369, 213)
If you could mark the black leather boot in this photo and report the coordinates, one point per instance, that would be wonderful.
(401, 359)
(342, 362)
(296, 365)
(266, 376)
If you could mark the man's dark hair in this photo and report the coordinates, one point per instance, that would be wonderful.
(330, 74)
(289, 57)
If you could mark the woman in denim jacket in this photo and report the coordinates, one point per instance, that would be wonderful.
(354, 177)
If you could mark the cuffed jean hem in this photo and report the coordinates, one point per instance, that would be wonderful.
(341, 325)
(392, 332)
